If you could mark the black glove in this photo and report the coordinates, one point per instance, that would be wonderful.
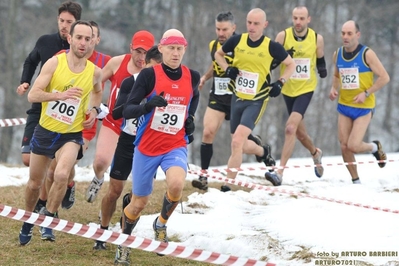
(275, 88)
(232, 72)
(190, 139)
(189, 125)
(156, 101)
(321, 67)
(322, 72)
(291, 51)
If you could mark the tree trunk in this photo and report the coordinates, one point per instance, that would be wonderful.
(8, 70)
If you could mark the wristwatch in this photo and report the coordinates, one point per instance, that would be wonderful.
(367, 93)
(98, 109)
(282, 80)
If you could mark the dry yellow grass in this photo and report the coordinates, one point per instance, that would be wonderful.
(73, 250)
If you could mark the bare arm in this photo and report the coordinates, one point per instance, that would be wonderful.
(95, 98)
(38, 92)
(336, 81)
(219, 57)
(378, 70)
(208, 74)
(280, 37)
(320, 46)
(111, 67)
(289, 68)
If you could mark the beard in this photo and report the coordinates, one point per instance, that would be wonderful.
(78, 53)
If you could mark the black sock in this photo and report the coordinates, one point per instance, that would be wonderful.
(104, 227)
(41, 202)
(206, 155)
(128, 225)
(168, 207)
(126, 200)
(251, 137)
(47, 213)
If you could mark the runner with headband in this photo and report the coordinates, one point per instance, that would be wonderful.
(171, 94)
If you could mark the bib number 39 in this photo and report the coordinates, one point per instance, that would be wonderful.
(169, 119)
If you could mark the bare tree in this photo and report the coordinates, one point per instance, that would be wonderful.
(26, 20)
(7, 70)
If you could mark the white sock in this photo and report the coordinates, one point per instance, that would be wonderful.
(375, 147)
(99, 180)
(159, 223)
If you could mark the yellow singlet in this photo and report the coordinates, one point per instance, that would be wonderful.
(67, 116)
(254, 65)
(304, 79)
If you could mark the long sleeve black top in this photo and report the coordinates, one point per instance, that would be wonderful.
(45, 47)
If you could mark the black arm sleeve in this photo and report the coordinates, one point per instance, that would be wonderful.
(195, 79)
(45, 47)
(143, 86)
(277, 51)
(231, 43)
(31, 62)
(126, 87)
(321, 62)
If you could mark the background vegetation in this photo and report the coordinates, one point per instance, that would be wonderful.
(23, 21)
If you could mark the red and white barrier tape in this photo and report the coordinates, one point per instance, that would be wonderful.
(241, 169)
(290, 192)
(12, 122)
(95, 233)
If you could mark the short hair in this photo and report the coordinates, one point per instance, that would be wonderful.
(94, 24)
(153, 53)
(225, 16)
(357, 27)
(71, 7)
(80, 22)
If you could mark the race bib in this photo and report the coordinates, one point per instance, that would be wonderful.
(131, 126)
(169, 119)
(247, 82)
(349, 78)
(221, 86)
(63, 111)
(302, 68)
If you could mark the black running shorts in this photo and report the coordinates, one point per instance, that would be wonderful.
(217, 105)
(123, 158)
(299, 103)
(47, 143)
(31, 122)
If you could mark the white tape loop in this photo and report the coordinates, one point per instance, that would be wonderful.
(12, 122)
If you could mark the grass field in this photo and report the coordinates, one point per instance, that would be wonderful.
(74, 250)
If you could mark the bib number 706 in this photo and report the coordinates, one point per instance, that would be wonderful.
(63, 108)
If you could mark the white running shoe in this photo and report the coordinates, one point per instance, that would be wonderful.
(93, 189)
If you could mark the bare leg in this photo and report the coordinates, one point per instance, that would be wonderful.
(37, 173)
(105, 148)
(66, 158)
(108, 204)
(239, 145)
